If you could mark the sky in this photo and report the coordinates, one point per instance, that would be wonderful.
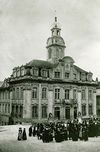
(25, 27)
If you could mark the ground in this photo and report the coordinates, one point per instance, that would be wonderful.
(9, 143)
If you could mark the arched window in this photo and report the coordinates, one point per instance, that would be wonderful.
(44, 93)
(35, 111)
(34, 93)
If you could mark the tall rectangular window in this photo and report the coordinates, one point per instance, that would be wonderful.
(90, 109)
(74, 94)
(57, 74)
(44, 93)
(21, 93)
(57, 93)
(66, 75)
(84, 110)
(35, 72)
(34, 93)
(44, 111)
(90, 95)
(67, 94)
(34, 111)
(17, 93)
(44, 73)
(83, 95)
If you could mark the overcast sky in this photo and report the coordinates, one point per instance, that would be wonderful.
(25, 26)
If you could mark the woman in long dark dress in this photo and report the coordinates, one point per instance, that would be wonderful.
(24, 136)
(19, 134)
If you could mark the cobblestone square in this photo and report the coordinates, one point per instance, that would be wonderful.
(9, 143)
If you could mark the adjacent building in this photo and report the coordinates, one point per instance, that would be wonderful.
(53, 89)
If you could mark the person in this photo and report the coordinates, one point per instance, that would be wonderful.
(24, 136)
(30, 131)
(19, 134)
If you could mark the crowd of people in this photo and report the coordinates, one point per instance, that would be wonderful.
(61, 131)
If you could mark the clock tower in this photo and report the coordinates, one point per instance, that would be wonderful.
(55, 44)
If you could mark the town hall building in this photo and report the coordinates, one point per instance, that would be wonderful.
(54, 89)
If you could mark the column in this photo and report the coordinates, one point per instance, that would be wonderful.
(71, 107)
(50, 100)
(19, 111)
(79, 102)
(39, 105)
(87, 103)
(94, 103)
(27, 108)
(10, 101)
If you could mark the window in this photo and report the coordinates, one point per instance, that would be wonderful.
(83, 95)
(57, 112)
(44, 111)
(74, 94)
(98, 100)
(17, 93)
(90, 109)
(44, 93)
(13, 93)
(84, 110)
(5, 108)
(44, 73)
(34, 93)
(57, 74)
(67, 94)
(18, 72)
(21, 93)
(0, 107)
(14, 74)
(35, 72)
(90, 95)
(34, 112)
(74, 75)
(66, 75)
(57, 93)
(8, 108)
(22, 72)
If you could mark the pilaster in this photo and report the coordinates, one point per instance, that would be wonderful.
(27, 108)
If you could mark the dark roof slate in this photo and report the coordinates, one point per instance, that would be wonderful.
(40, 63)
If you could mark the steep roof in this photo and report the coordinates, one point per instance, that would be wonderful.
(40, 63)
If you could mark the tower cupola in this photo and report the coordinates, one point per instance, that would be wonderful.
(55, 43)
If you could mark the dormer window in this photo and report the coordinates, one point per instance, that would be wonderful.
(44, 73)
(74, 76)
(18, 72)
(35, 72)
(14, 74)
(66, 75)
(57, 74)
(22, 72)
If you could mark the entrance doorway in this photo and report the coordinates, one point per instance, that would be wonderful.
(67, 113)
(75, 112)
(57, 112)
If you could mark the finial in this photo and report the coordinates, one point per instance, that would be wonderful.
(55, 17)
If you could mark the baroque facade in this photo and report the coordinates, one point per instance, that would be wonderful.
(51, 89)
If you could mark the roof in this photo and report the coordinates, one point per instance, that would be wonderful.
(40, 63)
(79, 69)
(1, 83)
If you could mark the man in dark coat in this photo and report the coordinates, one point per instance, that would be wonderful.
(24, 136)
(30, 131)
